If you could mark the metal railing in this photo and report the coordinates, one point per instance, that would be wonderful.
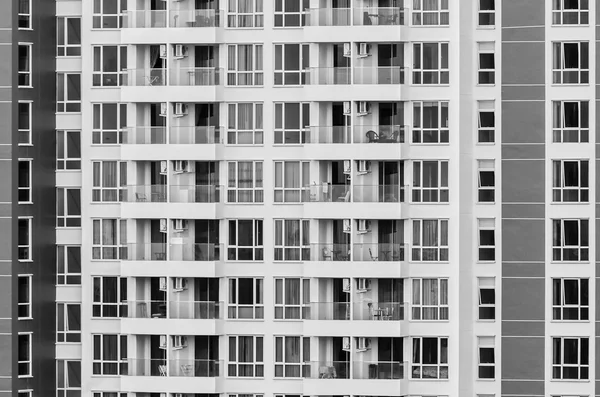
(196, 310)
(186, 135)
(379, 311)
(326, 370)
(327, 193)
(329, 75)
(379, 16)
(379, 193)
(380, 133)
(195, 18)
(378, 369)
(330, 252)
(177, 367)
(195, 193)
(147, 252)
(330, 134)
(379, 74)
(146, 77)
(378, 252)
(330, 311)
(145, 19)
(197, 252)
(328, 17)
(146, 194)
(192, 76)
(145, 135)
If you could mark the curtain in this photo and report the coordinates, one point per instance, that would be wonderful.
(154, 56)
(430, 298)
(258, 194)
(245, 181)
(292, 181)
(109, 180)
(443, 299)
(292, 291)
(109, 354)
(245, 123)
(430, 233)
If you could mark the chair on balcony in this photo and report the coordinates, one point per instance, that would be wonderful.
(162, 370)
(326, 254)
(186, 369)
(140, 197)
(372, 136)
(327, 372)
(373, 258)
(160, 256)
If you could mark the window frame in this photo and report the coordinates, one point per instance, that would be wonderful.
(67, 104)
(280, 72)
(233, 299)
(582, 369)
(102, 366)
(486, 284)
(561, 248)
(63, 386)
(67, 217)
(419, 365)
(558, 14)
(486, 225)
(418, 13)
(490, 13)
(101, 77)
(283, 194)
(291, 253)
(486, 343)
(560, 305)
(438, 76)
(109, 194)
(291, 136)
(441, 251)
(440, 311)
(25, 131)
(256, 16)
(560, 71)
(25, 363)
(29, 296)
(62, 269)
(256, 72)
(483, 49)
(485, 166)
(98, 129)
(280, 14)
(280, 357)
(419, 131)
(486, 107)
(28, 246)
(256, 193)
(28, 189)
(581, 189)
(64, 161)
(102, 309)
(100, 16)
(24, 16)
(64, 333)
(435, 194)
(118, 249)
(63, 50)
(257, 365)
(26, 75)
(560, 130)
(233, 123)
(283, 310)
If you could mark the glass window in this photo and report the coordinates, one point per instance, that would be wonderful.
(24, 182)
(68, 92)
(292, 241)
(245, 182)
(109, 181)
(24, 354)
(109, 66)
(570, 121)
(487, 64)
(290, 353)
(24, 123)
(68, 207)
(24, 65)
(570, 240)
(570, 299)
(110, 297)
(430, 240)
(245, 240)
(430, 63)
(245, 124)
(109, 240)
(486, 181)
(68, 38)
(430, 182)
(570, 358)
(292, 121)
(429, 358)
(570, 63)
(24, 239)
(245, 64)
(108, 14)
(487, 13)
(245, 14)
(68, 265)
(430, 299)
(291, 63)
(246, 298)
(570, 12)
(486, 122)
(487, 298)
(68, 378)
(24, 297)
(109, 122)
(24, 14)
(430, 13)
(486, 355)
(245, 356)
(109, 354)
(487, 240)
(430, 122)
(290, 13)
(68, 322)
(570, 181)
(68, 150)
(292, 295)
(291, 177)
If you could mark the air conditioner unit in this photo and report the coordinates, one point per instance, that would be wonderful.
(163, 342)
(164, 167)
(363, 344)
(364, 108)
(163, 50)
(363, 284)
(346, 344)
(364, 226)
(364, 50)
(181, 51)
(179, 342)
(364, 167)
(180, 166)
(347, 50)
(347, 108)
(347, 167)
(346, 285)
(347, 226)
(163, 109)
(163, 225)
(181, 109)
(162, 284)
(179, 225)
(179, 284)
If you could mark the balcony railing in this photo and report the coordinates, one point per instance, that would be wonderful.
(145, 19)
(147, 309)
(163, 367)
(146, 194)
(196, 310)
(378, 252)
(198, 252)
(147, 251)
(145, 135)
(327, 193)
(330, 252)
(378, 370)
(195, 19)
(208, 76)
(328, 17)
(331, 134)
(330, 310)
(379, 311)
(379, 193)
(146, 77)
(379, 75)
(195, 193)
(380, 133)
(379, 16)
(327, 370)
(329, 75)
(186, 135)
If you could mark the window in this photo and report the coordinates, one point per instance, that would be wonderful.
(430, 12)
(245, 240)
(486, 122)
(570, 12)
(108, 14)
(68, 378)
(487, 240)
(487, 362)
(486, 181)
(291, 63)
(570, 358)
(24, 302)
(430, 240)
(110, 354)
(24, 239)
(246, 298)
(430, 181)
(109, 181)
(430, 63)
(108, 394)
(25, 65)
(68, 265)
(68, 38)
(24, 182)
(290, 352)
(292, 295)
(570, 240)
(110, 297)
(245, 64)
(570, 63)
(570, 121)
(25, 393)
(487, 64)
(429, 358)
(290, 13)
(245, 14)
(292, 121)
(24, 123)
(430, 122)
(245, 356)
(24, 14)
(110, 66)
(68, 322)
(25, 352)
(109, 239)
(570, 299)
(245, 124)
(110, 119)
(430, 299)
(68, 92)
(570, 181)
(487, 298)
(290, 179)
(68, 207)
(68, 150)
(292, 242)
(487, 12)
(245, 182)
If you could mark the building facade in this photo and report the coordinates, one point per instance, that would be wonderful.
(299, 198)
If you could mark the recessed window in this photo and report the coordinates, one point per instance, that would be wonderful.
(430, 240)
(109, 122)
(487, 240)
(24, 305)
(487, 357)
(68, 322)
(290, 179)
(430, 182)
(430, 299)
(68, 150)
(246, 357)
(68, 92)
(68, 39)
(486, 122)
(245, 14)
(24, 239)
(292, 298)
(24, 77)
(570, 63)
(109, 354)
(291, 63)
(245, 240)
(109, 239)
(486, 181)
(68, 265)
(570, 121)
(429, 358)
(290, 354)
(430, 122)
(486, 74)
(487, 13)
(110, 297)
(292, 241)
(68, 207)
(487, 298)
(110, 66)
(109, 181)
(24, 182)
(570, 181)
(292, 120)
(24, 123)
(570, 12)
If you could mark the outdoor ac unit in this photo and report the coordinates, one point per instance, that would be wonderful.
(181, 109)
(364, 167)
(364, 50)
(347, 108)
(347, 50)
(364, 226)
(163, 225)
(180, 166)
(181, 51)
(347, 168)
(346, 343)
(364, 108)
(363, 344)
(363, 284)
(162, 284)
(163, 167)
(179, 225)
(163, 109)
(347, 226)
(163, 50)
(163, 342)
(179, 342)
(180, 284)
(346, 285)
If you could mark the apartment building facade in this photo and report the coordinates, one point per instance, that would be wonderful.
(300, 198)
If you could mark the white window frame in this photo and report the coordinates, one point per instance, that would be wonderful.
(286, 227)
(26, 363)
(580, 191)
(560, 304)
(64, 333)
(28, 189)
(109, 194)
(26, 393)
(100, 16)
(24, 16)
(118, 249)
(245, 194)
(439, 76)
(486, 343)
(419, 13)
(283, 310)
(486, 284)
(485, 167)
(67, 217)
(581, 368)
(257, 248)
(252, 77)
(280, 72)
(99, 131)
(485, 49)
(561, 133)
(67, 49)
(27, 304)
(237, 19)
(281, 14)
(440, 134)
(283, 363)
(490, 14)
(26, 132)
(439, 367)
(99, 363)
(438, 310)
(27, 74)
(63, 275)
(291, 136)
(101, 75)
(234, 132)
(27, 247)
(110, 394)
(99, 306)
(486, 225)
(64, 159)
(257, 365)
(293, 194)
(66, 104)
(559, 72)
(486, 134)
(440, 250)
(257, 307)
(581, 250)
(63, 386)
(441, 192)
(581, 14)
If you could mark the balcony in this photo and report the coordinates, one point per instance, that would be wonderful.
(145, 19)
(195, 193)
(378, 252)
(329, 76)
(176, 368)
(327, 370)
(194, 252)
(379, 75)
(195, 135)
(379, 370)
(189, 310)
(379, 311)
(195, 19)
(330, 252)
(146, 77)
(146, 194)
(191, 76)
(379, 193)
(379, 16)
(330, 311)
(145, 135)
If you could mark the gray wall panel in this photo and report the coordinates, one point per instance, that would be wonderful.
(523, 211)
(523, 240)
(536, 33)
(522, 388)
(5, 239)
(523, 181)
(523, 299)
(6, 293)
(5, 346)
(523, 358)
(522, 13)
(523, 328)
(5, 114)
(522, 63)
(523, 151)
(523, 122)
(523, 269)
(6, 177)
(6, 69)
(523, 93)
